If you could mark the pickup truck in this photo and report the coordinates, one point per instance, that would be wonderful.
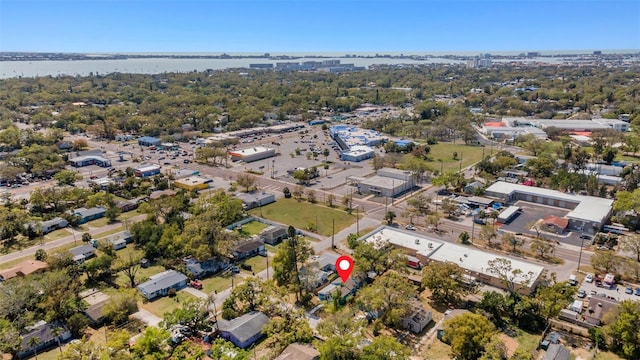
(196, 284)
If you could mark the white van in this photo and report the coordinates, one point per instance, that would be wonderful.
(572, 280)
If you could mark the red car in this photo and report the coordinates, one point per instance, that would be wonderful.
(196, 284)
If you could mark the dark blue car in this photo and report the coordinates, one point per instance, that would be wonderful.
(637, 291)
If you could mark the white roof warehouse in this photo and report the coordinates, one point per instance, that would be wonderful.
(586, 212)
(475, 262)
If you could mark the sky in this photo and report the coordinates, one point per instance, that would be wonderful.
(317, 25)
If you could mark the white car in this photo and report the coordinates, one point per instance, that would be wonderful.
(589, 278)
(410, 227)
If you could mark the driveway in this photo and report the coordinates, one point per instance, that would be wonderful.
(147, 317)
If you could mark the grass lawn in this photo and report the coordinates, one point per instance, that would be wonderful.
(98, 222)
(528, 342)
(166, 304)
(257, 263)
(141, 276)
(301, 214)
(217, 283)
(128, 214)
(107, 233)
(55, 235)
(437, 350)
(444, 151)
(252, 228)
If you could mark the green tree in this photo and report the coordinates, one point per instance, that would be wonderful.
(631, 244)
(389, 217)
(67, 177)
(494, 306)
(444, 281)
(249, 295)
(120, 306)
(510, 277)
(605, 261)
(391, 294)
(294, 251)
(288, 328)
(112, 213)
(468, 335)
(247, 181)
(385, 348)
(153, 344)
(225, 350)
(488, 233)
(623, 327)
(41, 255)
(464, 238)
(542, 247)
(339, 348)
(510, 239)
(33, 343)
(193, 313)
(286, 192)
(554, 297)
(494, 350)
(377, 256)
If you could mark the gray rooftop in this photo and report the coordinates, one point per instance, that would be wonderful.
(253, 196)
(161, 281)
(84, 212)
(79, 250)
(245, 326)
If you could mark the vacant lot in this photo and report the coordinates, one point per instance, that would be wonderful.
(252, 228)
(217, 283)
(302, 215)
(166, 304)
(444, 151)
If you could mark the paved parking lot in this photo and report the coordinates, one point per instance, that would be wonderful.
(615, 293)
(531, 213)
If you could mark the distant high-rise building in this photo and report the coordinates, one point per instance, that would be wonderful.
(597, 52)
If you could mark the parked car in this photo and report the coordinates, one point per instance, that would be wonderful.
(628, 290)
(410, 227)
(582, 294)
(479, 221)
(589, 278)
(196, 284)
(235, 269)
(637, 292)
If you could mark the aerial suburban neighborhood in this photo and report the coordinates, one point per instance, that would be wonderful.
(491, 210)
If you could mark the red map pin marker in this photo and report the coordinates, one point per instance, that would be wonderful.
(344, 267)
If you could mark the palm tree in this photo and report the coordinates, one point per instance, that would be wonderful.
(33, 343)
(57, 331)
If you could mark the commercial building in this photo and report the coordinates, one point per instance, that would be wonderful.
(149, 141)
(357, 153)
(147, 171)
(252, 154)
(88, 160)
(581, 125)
(347, 136)
(474, 262)
(193, 183)
(388, 182)
(587, 213)
(183, 173)
(504, 131)
(256, 199)
(160, 284)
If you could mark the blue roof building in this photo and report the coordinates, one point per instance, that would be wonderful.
(149, 141)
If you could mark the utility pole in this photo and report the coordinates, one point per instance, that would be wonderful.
(581, 246)
(357, 221)
(267, 257)
(333, 232)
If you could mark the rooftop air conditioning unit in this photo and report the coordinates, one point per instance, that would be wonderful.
(417, 241)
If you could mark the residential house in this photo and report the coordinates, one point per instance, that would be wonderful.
(53, 224)
(597, 308)
(311, 277)
(86, 215)
(297, 351)
(198, 269)
(94, 313)
(448, 315)
(120, 240)
(155, 195)
(555, 224)
(557, 352)
(44, 332)
(127, 205)
(346, 289)
(417, 319)
(327, 261)
(23, 268)
(82, 253)
(471, 188)
(255, 199)
(160, 284)
(245, 330)
(273, 234)
(247, 249)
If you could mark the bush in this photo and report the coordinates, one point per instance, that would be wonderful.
(172, 292)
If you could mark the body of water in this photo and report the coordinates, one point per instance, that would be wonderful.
(12, 69)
